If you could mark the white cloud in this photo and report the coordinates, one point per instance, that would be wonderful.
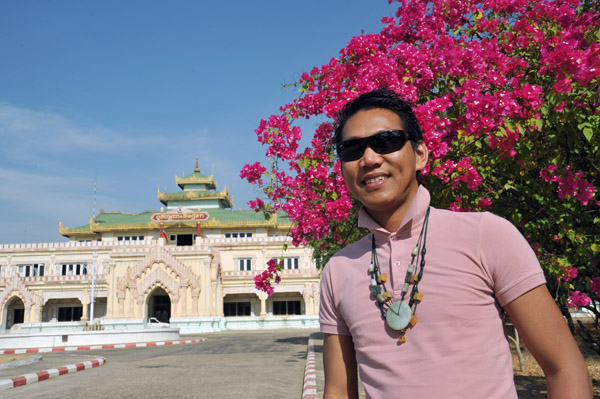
(49, 163)
(25, 131)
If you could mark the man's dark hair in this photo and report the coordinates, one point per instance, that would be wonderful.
(381, 98)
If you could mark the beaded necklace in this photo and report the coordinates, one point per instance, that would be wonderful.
(398, 314)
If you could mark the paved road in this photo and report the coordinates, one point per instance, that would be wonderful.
(244, 365)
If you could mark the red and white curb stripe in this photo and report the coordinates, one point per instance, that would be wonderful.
(44, 375)
(97, 347)
(309, 389)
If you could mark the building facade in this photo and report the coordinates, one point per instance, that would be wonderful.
(190, 264)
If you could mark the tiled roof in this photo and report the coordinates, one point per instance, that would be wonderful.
(217, 215)
(192, 195)
(116, 218)
(196, 178)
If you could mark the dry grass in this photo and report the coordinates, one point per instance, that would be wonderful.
(531, 383)
(13, 358)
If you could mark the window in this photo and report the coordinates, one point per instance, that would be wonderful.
(130, 238)
(286, 307)
(245, 264)
(73, 269)
(243, 234)
(288, 263)
(69, 313)
(185, 240)
(182, 239)
(34, 270)
(291, 263)
(236, 309)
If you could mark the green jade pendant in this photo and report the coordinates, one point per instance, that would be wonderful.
(398, 315)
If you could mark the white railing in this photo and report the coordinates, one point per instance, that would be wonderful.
(80, 278)
(77, 244)
(106, 244)
(246, 239)
(237, 274)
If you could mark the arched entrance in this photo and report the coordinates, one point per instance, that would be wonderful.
(15, 312)
(159, 305)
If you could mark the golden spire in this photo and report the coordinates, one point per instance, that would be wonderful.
(197, 169)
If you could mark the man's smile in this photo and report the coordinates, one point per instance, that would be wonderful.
(373, 180)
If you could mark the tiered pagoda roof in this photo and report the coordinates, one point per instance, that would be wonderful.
(196, 178)
(197, 195)
(142, 222)
(197, 188)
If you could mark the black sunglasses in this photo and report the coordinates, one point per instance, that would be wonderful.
(382, 143)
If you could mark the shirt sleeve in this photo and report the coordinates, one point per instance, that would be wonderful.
(509, 259)
(330, 318)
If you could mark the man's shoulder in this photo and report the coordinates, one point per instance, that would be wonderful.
(477, 222)
(354, 250)
(477, 217)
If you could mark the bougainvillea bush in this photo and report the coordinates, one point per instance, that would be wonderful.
(507, 93)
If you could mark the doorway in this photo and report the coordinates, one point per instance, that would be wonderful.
(159, 305)
(15, 312)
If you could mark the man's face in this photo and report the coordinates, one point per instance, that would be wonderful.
(383, 183)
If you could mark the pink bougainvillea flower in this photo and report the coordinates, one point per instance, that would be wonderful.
(595, 286)
(569, 273)
(502, 89)
(578, 300)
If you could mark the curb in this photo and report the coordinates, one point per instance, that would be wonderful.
(97, 347)
(23, 362)
(46, 374)
(309, 388)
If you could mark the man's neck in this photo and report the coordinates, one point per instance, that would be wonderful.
(392, 220)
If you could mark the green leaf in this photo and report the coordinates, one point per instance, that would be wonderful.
(588, 133)
(519, 128)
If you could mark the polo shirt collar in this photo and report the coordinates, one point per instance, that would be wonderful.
(414, 215)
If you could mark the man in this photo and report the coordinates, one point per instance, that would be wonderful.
(418, 304)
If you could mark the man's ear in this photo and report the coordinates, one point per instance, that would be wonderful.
(421, 155)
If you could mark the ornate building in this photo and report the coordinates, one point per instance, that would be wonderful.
(191, 264)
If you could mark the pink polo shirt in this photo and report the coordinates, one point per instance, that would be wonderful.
(475, 264)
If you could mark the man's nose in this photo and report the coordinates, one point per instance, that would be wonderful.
(370, 157)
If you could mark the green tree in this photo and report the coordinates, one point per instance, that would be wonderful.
(507, 93)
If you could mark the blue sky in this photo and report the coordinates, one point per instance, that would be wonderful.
(128, 94)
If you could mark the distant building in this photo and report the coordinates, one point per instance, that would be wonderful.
(198, 276)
